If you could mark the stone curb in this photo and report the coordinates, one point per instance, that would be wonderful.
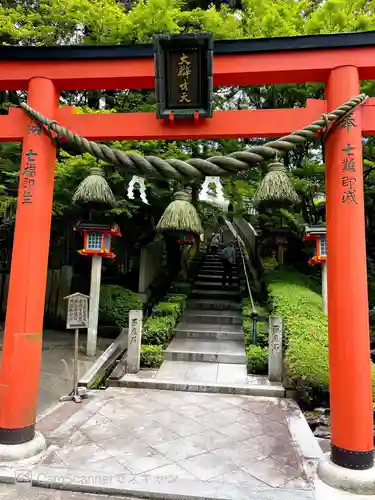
(303, 438)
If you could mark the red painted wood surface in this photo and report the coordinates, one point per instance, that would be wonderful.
(224, 124)
(235, 69)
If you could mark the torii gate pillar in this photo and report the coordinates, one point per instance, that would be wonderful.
(20, 367)
(348, 323)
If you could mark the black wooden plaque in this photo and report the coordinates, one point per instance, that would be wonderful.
(183, 66)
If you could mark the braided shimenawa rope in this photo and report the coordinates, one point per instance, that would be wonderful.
(195, 168)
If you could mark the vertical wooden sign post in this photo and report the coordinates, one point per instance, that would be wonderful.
(78, 317)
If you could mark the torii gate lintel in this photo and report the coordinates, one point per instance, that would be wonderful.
(253, 123)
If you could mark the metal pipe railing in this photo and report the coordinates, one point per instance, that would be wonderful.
(242, 247)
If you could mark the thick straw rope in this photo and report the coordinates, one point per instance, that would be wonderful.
(196, 168)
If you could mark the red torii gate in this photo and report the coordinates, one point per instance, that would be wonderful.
(340, 61)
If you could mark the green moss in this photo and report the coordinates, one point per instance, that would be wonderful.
(151, 356)
(115, 304)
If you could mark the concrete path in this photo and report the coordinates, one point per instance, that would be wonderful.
(164, 444)
(56, 376)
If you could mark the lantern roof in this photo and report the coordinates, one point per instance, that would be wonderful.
(91, 226)
(112, 229)
(318, 230)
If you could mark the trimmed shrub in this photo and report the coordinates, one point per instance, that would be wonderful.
(115, 304)
(305, 328)
(158, 330)
(151, 356)
(168, 308)
(182, 288)
(179, 299)
(257, 355)
(247, 310)
(257, 359)
(262, 332)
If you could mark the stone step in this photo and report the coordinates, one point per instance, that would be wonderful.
(212, 268)
(255, 386)
(216, 294)
(215, 277)
(188, 326)
(214, 285)
(213, 317)
(194, 333)
(217, 305)
(203, 372)
(202, 350)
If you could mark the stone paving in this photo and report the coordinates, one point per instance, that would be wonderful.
(181, 445)
(56, 374)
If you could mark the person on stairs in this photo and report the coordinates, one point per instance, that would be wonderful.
(215, 243)
(228, 259)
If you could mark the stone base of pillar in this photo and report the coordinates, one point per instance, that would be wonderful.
(336, 483)
(12, 455)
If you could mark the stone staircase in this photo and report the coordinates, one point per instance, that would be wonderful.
(207, 353)
(210, 331)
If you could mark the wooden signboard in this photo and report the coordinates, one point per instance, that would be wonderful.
(183, 75)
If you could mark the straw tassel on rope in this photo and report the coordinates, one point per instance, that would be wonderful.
(276, 186)
(180, 215)
(94, 189)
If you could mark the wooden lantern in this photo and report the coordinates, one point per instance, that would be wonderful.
(97, 239)
(317, 234)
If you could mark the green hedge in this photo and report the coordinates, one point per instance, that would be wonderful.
(257, 355)
(179, 299)
(305, 327)
(262, 331)
(157, 330)
(168, 309)
(151, 356)
(184, 288)
(115, 304)
(257, 359)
